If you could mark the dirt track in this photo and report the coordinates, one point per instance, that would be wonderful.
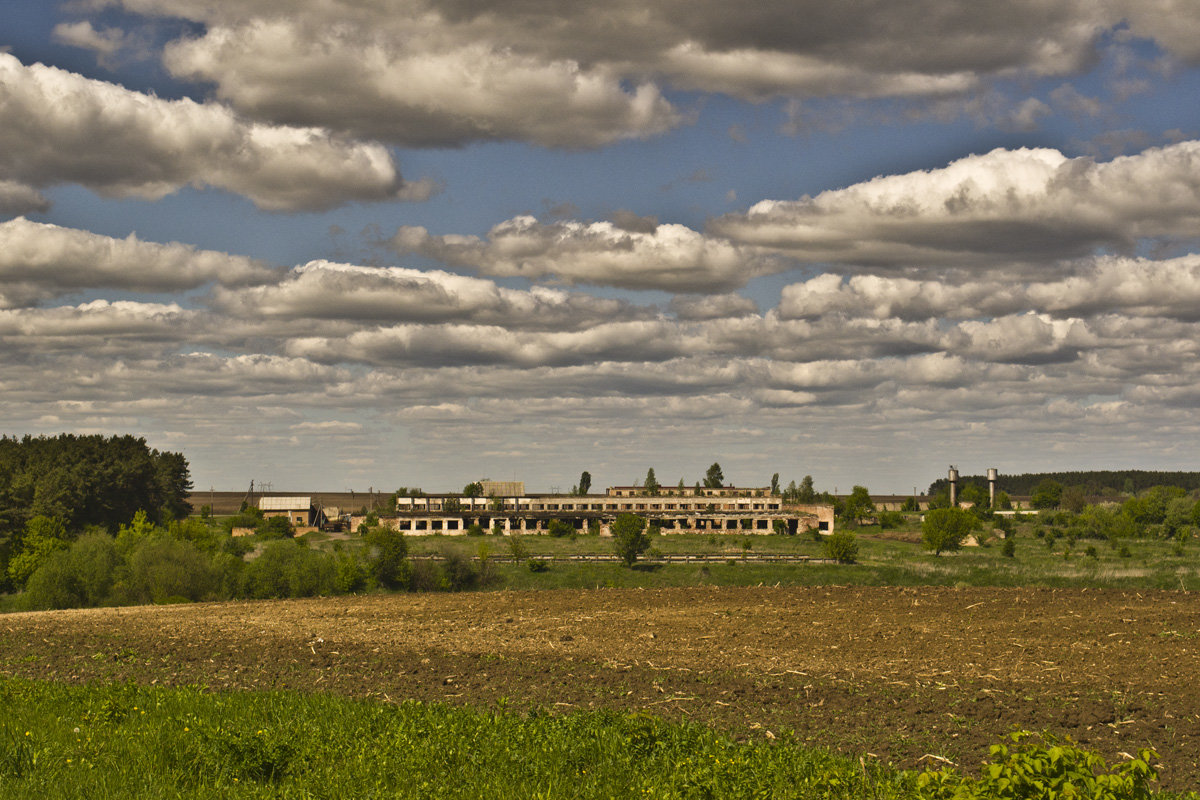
(898, 673)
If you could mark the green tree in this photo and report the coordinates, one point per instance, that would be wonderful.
(975, 495)
(43, 536)
(651, 485)
(1072, 499)
(858, 504)
(473, 489)
(714, 478)
(387, 558)
(629, 538)
(842, 547)
(585, 482)
(806, 494)
(560, 529)
(1046, 494)
(945, 529)
(775, 484)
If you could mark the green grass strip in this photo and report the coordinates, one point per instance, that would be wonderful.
(129, 742)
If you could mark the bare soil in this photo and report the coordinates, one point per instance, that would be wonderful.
(901, 674)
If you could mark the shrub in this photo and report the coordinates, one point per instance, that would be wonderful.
(458, 571)
(842, 547)
(629, 538)
(1010, 548)
(1043, 769)
(77, 577)
(387, 558)
(537, 565)
(475, 530)
(560, 529)
(284, 569)
(946, 528)
(275, 528)
(890, 519)
(161, 568)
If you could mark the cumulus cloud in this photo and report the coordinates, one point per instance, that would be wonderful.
(106, 43)
(325, 290)
(701, 307)
(17, 198)
(576, 75)
(418, 90)
(1001, 208)
(670, 257)
(61, 127)
(40, 261)
(1134, 287)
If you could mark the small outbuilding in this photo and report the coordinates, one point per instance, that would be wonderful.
(300, 511)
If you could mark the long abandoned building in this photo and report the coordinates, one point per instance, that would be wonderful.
(505, 506)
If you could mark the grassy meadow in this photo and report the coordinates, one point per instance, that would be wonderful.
(1043, 555)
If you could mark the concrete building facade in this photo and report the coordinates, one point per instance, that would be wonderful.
(725, 510)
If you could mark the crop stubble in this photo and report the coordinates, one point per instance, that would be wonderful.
(900, 673)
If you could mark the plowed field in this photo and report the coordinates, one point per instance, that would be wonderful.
(898, 673)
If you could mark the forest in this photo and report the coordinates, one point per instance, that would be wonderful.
(1094, 483)
(67, 485)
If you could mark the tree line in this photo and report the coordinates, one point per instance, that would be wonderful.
(1094, 483)
(72, 484)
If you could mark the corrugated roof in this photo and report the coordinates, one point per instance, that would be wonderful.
(284, 503)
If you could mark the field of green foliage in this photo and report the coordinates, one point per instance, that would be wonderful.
(128, 742)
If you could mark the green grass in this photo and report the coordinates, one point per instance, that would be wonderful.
(61, 741)
(121, 741)
(882, 561)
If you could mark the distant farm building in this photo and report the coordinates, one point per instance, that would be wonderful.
(300, 511)
(689, 510)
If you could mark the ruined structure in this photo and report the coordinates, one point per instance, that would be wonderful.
(688, 510)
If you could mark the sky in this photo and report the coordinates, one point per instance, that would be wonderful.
(351, 244)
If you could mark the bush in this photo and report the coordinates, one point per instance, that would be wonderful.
(842, 547)
(946, 528)
(629, 538)
(161, 568)
(275, 528)
(560, 529)
(78, 577)
(890, 520)
(458, 571)
(387, 558)
(1044, 770)
(285, 569)
(1010, 548)
(537, 565)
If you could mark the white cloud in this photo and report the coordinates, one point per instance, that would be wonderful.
(671, 257)
(1000, 209)
(40, 261)
(106, 43)
(61, 127)
(325, 290)
(421, 73)
(418, 89)
(1135, 287)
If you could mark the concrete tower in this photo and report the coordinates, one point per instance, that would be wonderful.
(993, 474)
(953, 475)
